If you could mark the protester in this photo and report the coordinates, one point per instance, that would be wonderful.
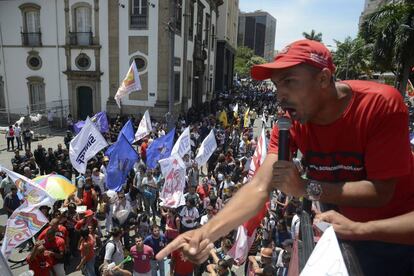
(142, 255)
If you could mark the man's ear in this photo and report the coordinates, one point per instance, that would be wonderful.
(325, 78)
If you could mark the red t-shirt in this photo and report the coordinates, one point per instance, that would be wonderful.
(182, 265)
(203, 192)
(83, 224)
(57, 245)
(41, 264)
(370, 141)
(61, 232)
(142, 260)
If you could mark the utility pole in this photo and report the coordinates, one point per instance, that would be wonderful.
(171, 28)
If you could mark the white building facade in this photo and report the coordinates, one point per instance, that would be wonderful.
(71, 55)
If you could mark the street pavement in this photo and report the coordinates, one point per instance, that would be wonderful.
(52, 141)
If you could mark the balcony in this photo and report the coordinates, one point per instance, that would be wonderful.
(80, 38)
(32, 39)
(138, 22)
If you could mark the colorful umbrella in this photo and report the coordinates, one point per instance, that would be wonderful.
(58, 186)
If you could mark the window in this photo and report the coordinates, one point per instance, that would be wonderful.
(36, 88)
(83, 25)
(83, 62)
(2, 101)
(139, 14)
(207, 32)
(178, 15)
(33, 60)
(31, 35)
(191, 25)
(177, 77)
(141, 63)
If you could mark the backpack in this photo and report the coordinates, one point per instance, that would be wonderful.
(100, 256)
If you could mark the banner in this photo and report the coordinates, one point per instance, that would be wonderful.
(206, 149)
(173, 170)
(127, 131)
(85, 145)
(99, 119)
(122, 159)
(130, 83)
(160, 149)
(183, 144)
(26, 220)
(144, 127)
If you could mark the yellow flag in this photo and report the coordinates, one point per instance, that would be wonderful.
(246, 118)
(223, 118)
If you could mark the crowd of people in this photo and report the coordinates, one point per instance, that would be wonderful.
(98, 228)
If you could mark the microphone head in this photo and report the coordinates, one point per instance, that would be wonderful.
(284, 123)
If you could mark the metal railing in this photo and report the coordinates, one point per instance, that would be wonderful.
(32, 38)
(138, 21)
(80, 38)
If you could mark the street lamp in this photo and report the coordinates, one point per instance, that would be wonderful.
(350, 55)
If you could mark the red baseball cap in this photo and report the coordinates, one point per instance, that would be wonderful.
(89, 213)
(302, 51)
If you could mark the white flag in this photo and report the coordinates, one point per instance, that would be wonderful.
(236, 108)
(130, 83)
(26, 220)
(144, 127)
(183, 144)
(173, 170)
(206, 149)
(85, 145)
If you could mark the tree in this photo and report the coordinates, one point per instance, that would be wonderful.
(245, 59)
(352, 58)
(313, 35)
(391, 30)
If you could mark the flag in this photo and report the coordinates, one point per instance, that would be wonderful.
(85, 145)
(246, 118)
(183, 144)
(144, 127)
(246, 233)
(26, 220)
(121, 161)
(99, 119)
(206, 149)
(128, 131)
(259, 154)
(236, 110)
(130, 83)
(223, 118)
(410, 89)
(159, 149)
(173, 170)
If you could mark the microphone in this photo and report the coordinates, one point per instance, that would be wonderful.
(284, 124)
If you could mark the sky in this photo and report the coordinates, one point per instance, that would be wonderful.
(335, 19)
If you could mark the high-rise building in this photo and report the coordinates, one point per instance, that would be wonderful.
(227, 22)
(257, 30)
(70, 56)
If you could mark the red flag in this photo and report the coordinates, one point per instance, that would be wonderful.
(246, 233)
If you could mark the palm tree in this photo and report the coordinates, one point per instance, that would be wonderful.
(391, 30)
(313, 35)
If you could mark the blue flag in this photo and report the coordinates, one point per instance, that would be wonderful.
(121, 161)
(159, 149)
(128, 131)
(99, 119)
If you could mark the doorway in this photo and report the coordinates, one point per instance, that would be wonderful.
(85, 102)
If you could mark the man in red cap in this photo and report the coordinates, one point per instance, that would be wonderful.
(355, 144)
